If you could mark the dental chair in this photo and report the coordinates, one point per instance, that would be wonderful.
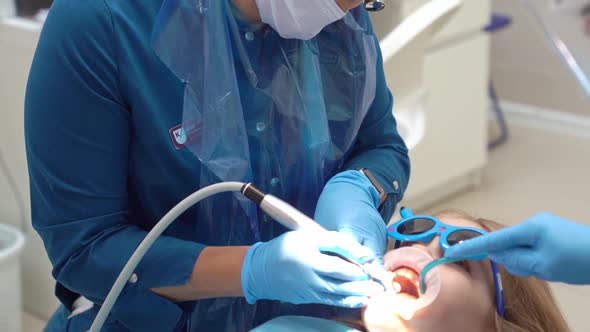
(437, 65)
(404, 50)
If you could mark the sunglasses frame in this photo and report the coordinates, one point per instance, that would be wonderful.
(374, 5)
(443, 231)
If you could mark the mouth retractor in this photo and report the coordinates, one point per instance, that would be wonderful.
(407, 265)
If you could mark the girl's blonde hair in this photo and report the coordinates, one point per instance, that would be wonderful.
(529, 303)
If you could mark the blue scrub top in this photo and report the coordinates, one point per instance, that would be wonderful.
(100, 113)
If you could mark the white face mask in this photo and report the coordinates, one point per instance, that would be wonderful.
(299, 19)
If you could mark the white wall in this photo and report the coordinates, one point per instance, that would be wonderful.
(17, 45)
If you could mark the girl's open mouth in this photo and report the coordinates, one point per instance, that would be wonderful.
(406, 281)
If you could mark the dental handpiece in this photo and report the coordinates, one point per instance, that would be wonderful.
(280, 210)
(295, 220)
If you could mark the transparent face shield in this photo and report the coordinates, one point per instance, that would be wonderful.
(309, 97)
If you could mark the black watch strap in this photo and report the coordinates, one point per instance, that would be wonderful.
(376, 184)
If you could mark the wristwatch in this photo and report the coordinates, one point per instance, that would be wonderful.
(376, 184)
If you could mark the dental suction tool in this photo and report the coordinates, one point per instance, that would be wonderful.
(280, 210)
(441, 261)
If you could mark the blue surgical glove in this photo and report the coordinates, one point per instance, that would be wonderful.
(297, 268)
(546, 246)
(348, 204)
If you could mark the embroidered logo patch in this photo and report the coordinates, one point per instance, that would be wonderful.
(183, 134)
(178, 136)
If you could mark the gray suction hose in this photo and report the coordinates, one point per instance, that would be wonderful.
(149, 240)
(277, 209)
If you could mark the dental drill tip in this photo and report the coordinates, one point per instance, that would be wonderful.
(379, 275)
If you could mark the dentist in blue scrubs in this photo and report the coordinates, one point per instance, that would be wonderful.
(133, 105)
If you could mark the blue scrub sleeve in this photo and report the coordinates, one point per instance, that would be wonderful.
(78, 132)
(379, 147)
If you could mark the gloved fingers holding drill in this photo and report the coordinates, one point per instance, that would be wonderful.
(297, 268)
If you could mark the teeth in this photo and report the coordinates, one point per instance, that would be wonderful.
(406, 272)
(397, 287)
(406, 281)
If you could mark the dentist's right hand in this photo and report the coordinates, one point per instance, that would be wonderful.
(293, 269)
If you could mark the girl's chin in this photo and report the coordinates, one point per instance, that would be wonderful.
(388, 312)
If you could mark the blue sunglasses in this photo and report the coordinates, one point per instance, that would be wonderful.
(421, 228)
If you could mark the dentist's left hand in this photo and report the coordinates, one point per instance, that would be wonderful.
(294, 268)
(349, 204)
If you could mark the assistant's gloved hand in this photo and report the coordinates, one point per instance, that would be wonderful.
(546, 246)
(348, 204)
(292, 268)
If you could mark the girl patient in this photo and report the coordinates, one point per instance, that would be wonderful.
(469, 297)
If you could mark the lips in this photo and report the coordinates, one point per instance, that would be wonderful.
(387, 310)
(394, 261)
(405, 265)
